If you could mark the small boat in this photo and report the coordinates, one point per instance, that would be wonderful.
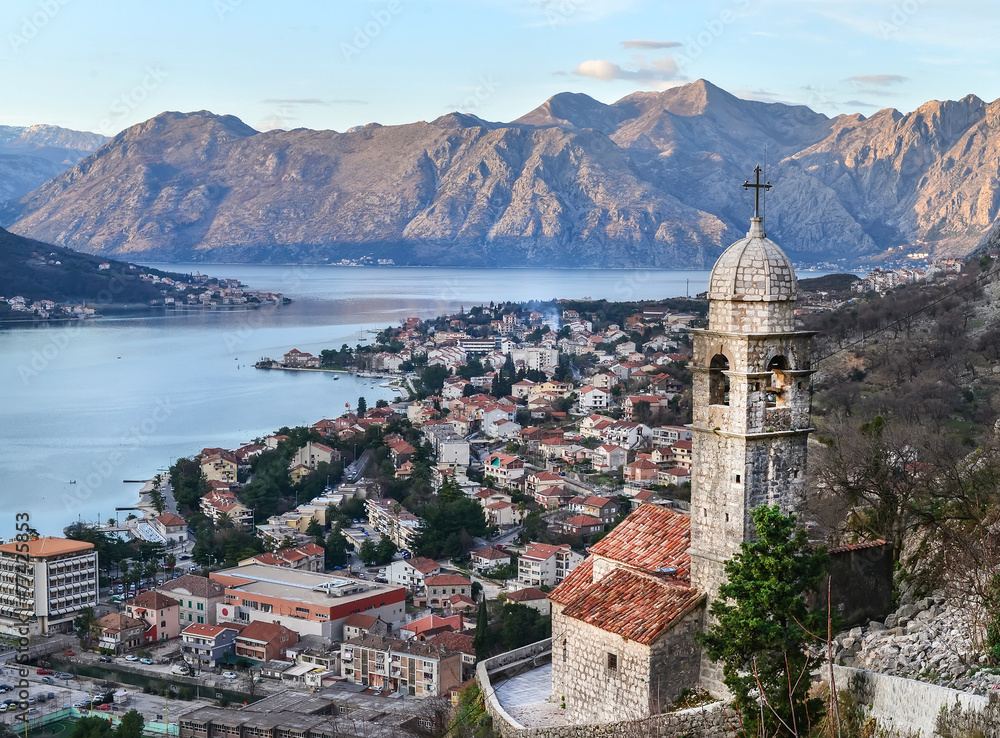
(72, 481)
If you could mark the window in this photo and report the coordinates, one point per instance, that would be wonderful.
(201, 605)
(718, 382)
(738, 478)
(612, 662)
(201, 619)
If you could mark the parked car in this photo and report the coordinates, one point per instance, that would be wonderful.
(228, 675)
(48, 680)
(105, 659)
(148, 662)
(64, 675)
(105, 706)
(51, 695)
(43, 671)
(131, 657)
(41, 697)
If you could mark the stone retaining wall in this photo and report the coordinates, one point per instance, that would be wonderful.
(907, 706)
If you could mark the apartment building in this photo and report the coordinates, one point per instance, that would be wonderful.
(543, 564)
(392, 520)
(408, 667)
(48, 580)
(204, 646)
(198, 598)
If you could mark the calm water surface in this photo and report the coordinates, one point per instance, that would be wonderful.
(124, 396)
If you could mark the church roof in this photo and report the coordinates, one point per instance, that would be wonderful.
(652, 538)
(633, 605)
(753, 269)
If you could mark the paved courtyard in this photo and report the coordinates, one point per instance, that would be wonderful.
(525, 698)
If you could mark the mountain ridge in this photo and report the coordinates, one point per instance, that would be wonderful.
(651, 180)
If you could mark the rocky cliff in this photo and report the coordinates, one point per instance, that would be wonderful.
(32, 155)
(651, 180)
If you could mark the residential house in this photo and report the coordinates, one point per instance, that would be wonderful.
(591, 398)
(219, 465)
(530, 597)
(553, 498)
(173, 528)
(682, 454)
(117, 632)
(405, 667)
(307, 557)
(263, 641)
(641, 471)
(206, 646)
(645, 408)
(296, 359)
(160, 613)
(504, 514)
(460, 643)
(412, 573)
(582, 525)
(223, 506)
(441, 587)
(198, 598)
(313, 454)
(668, 435)
(504, 470)
(608, 457)
(603, 508)
(359, 625)
(543, 564)
(675, 475)
(486, 560)
(424, 627)
(539, 480)
(394, 521)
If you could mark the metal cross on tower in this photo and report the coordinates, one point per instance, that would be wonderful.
(757, 187)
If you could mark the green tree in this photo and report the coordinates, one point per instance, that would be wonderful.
(336, 549)
(315, 530)
(131, 725)
(92, 727)
(385, 550)
(483, 639)
(83, 623)
(761, 621)
(368, 553)
(362, 405)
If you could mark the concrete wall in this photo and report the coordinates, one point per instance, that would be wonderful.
(907, 706)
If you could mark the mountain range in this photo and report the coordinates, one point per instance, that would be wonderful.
(653, 179)
(32, 155)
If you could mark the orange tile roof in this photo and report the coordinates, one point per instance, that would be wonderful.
(651, 538)
(576, 581)
(635, 606)
(525, 595)
(583, 521)
(423, 565)
(42, 547)
(171, 519)
(447, 580)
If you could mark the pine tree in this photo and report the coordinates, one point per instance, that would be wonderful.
(760, 635)
(482, 641)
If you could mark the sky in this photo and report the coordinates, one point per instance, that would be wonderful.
(103, 65)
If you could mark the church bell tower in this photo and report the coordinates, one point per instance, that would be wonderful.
(751, 403)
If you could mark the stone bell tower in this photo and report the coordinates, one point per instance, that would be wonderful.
(751, 405)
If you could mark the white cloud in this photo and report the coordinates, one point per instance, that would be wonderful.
(878, 80)
(658, 70)
(640, 44)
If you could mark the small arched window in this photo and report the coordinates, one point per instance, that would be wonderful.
(718, 381)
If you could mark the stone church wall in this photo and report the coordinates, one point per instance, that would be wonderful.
(636, 680)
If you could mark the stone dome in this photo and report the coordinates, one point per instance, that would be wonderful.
(753, 269)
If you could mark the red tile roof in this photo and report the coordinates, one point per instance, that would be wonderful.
(171, 519)
(578, 580)
(857, 546)
(359, 620)
(526, 595)
(490, 554)
(635, 606)
(423, 565)
(583, 521)
(447, 580)
(451, 641)
(651, 538)
(541, 551)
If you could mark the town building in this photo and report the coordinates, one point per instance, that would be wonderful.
(412, 573)
(407, 667)
(545, 565)
(160, 613)
(223, 507)
(442, 587)
(307, 557)
(117, 632)
(530, 597)
(263, 641)
(485, 560)
(308, 603)
(206, 646)
(172, 528)
(503, 469)
(50, 579)
(393, 521)
(198, 598)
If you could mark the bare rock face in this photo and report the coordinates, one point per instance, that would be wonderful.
(32, 155)
(651, 180)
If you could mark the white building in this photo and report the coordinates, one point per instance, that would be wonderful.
(545, 565)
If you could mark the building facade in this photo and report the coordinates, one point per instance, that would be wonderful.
(407, 667)
(45, 583)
